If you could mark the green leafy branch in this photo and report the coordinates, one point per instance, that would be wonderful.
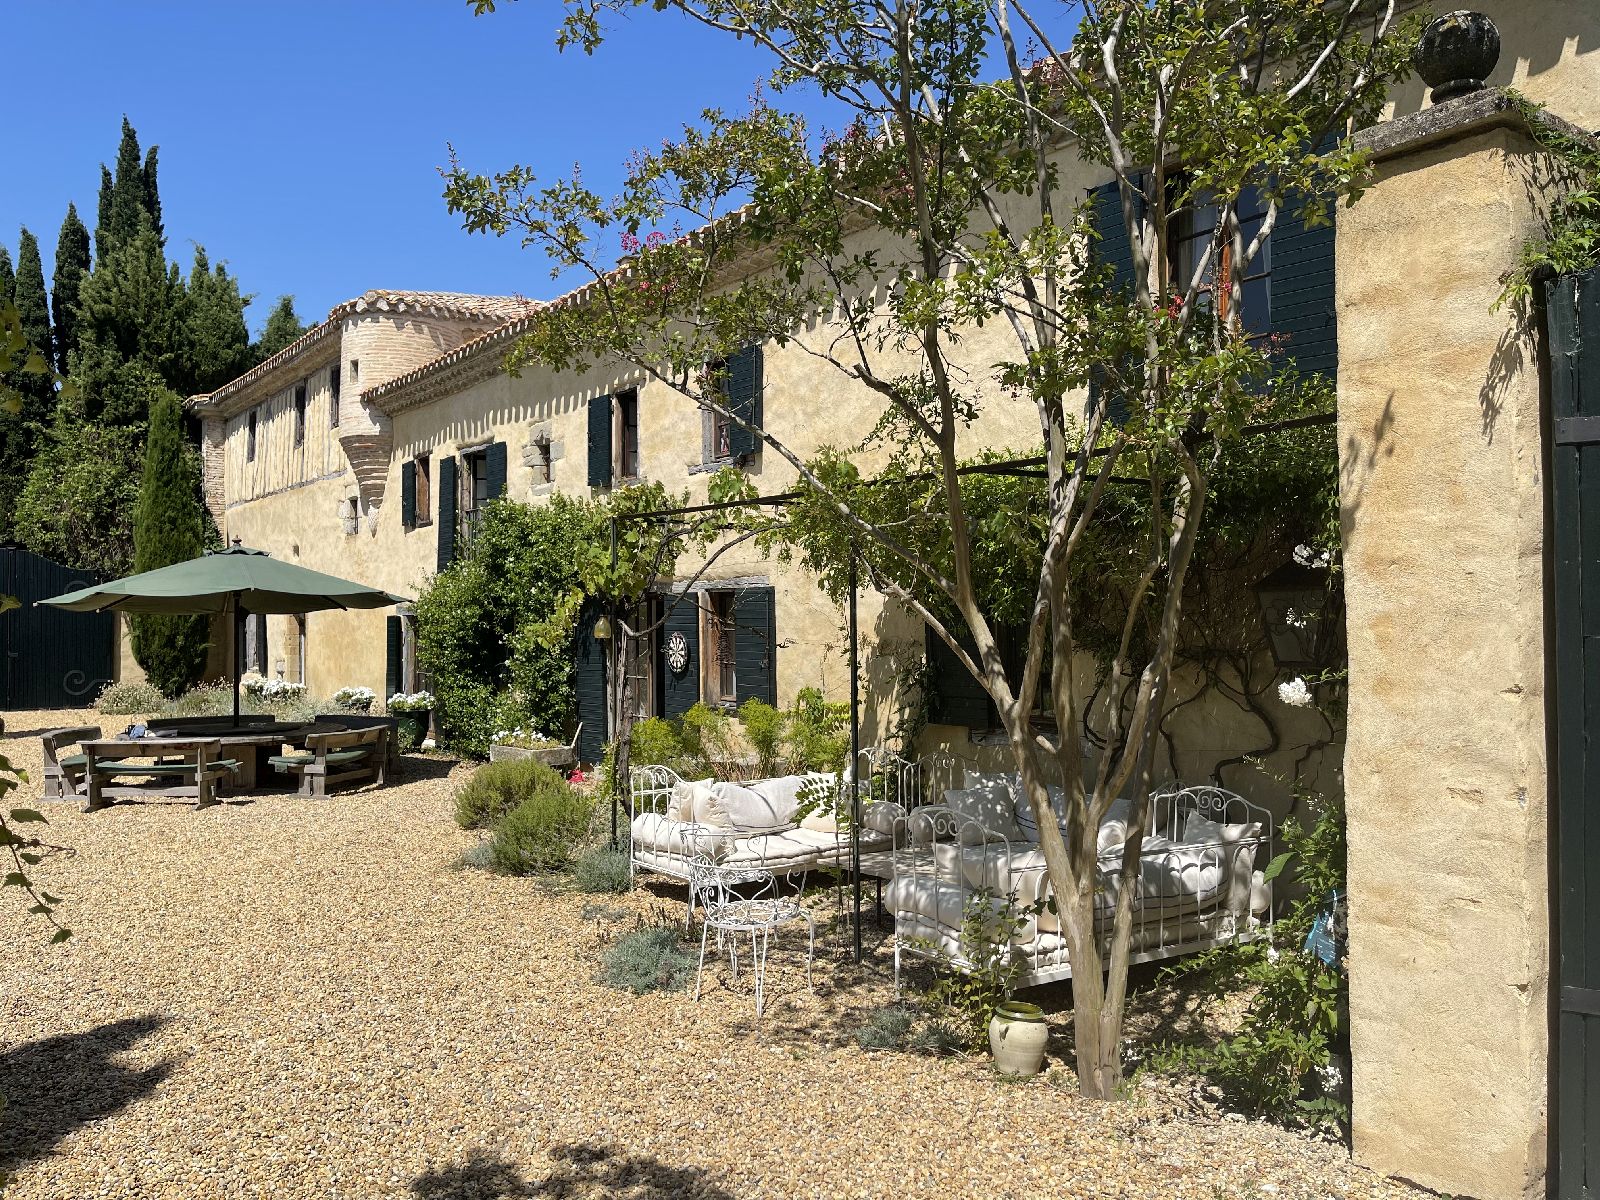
(28, 851)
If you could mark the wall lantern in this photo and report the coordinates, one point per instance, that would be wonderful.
(1293, 603)
(602, 629)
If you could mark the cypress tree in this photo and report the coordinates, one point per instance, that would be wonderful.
(169, 527)
(102, 216)
(219, 340)
(72, 264)
(129, 205)
(152, 196)
(133, 306)
(31, 299)
(8, 277)
(282, 327)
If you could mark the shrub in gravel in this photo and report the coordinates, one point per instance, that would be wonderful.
(602, 870)
(130, 699)
(938, 1038)
(480, 857)
(542, 831)
(649, 959)
(495, 789)
(886, 1029)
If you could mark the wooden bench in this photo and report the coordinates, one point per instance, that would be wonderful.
(347, 720)
(338, 757)
(191, 768)
(63, 773)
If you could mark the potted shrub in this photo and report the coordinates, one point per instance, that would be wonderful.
(530, 743)
(354, 699)
(413, 711)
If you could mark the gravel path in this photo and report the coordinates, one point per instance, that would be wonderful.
(293, 998)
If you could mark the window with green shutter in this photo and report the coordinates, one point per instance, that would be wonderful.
(600, 442)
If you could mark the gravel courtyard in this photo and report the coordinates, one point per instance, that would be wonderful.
(295, 998)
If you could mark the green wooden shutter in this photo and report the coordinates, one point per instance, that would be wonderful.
(600, 442)
(755, 642)
(447, 512)
(408, 494)
(956, 698)
(744, 385)
(394, 665)
(1114, 249)
(589, 686)
(1301, 290)
(680, 690)
(495, 465)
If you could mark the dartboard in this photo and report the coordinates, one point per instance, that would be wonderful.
(677, 653)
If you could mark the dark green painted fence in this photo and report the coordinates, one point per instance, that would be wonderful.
(1573, 313)
(50, 658)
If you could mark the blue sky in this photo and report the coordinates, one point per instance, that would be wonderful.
(301, 141)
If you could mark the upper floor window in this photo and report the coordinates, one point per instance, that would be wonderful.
(333, 397)
(628, 434)
(721, 439)
(250, 437)
(1195, 228)
(300, 415)
(424, 509)
(355, 370)
(474, 489)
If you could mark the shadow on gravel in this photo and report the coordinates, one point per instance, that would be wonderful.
(580, 1172)
(57, 1085)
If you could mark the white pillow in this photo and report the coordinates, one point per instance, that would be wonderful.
(989, 804)
(1113, 830)
(733, 806)
(821, 821)
(885, 819)
(1238, 861)
(1027, 825)
(685, 793)
(784, 793)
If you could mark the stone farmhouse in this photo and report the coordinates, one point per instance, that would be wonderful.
(369, 447)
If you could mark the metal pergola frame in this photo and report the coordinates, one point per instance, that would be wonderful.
(1028, 468)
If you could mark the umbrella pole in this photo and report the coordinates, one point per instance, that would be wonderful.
(238, 651)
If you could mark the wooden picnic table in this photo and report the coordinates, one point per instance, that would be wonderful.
(243, 744)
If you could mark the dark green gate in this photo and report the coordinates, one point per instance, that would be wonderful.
(1573, 313)
(50, 658)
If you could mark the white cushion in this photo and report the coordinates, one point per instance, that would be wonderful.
(679, 839)
(885, 819)
(734, 806)
(1238, 861)
(1114, 825)
(786, 792)
(989, 804)
(685, 793)
(820, 821)
(793, 849)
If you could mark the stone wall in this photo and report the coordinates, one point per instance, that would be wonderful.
(1445, 771)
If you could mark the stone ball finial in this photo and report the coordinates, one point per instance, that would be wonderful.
(1456, 53)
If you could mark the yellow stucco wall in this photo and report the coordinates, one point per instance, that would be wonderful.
(1445, 772)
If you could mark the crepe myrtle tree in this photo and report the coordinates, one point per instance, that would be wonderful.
(941, 205)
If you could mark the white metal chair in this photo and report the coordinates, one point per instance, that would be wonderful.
(744, 900)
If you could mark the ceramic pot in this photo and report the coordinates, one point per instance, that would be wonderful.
(1017, 1037)
(412, 727)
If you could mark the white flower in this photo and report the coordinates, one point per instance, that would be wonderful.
(1295, 693)
(1307, 557)
(1272, 954)
(1295, 620)
(1332, 1077)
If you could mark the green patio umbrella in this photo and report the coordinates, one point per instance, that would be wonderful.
(235, 581)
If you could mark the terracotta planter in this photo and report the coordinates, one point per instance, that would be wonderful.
(412, 727)
(1017, 1037)
(550, 756)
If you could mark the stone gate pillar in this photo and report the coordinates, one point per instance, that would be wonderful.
(1443, 508)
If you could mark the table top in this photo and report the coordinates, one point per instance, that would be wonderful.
(244, 735)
